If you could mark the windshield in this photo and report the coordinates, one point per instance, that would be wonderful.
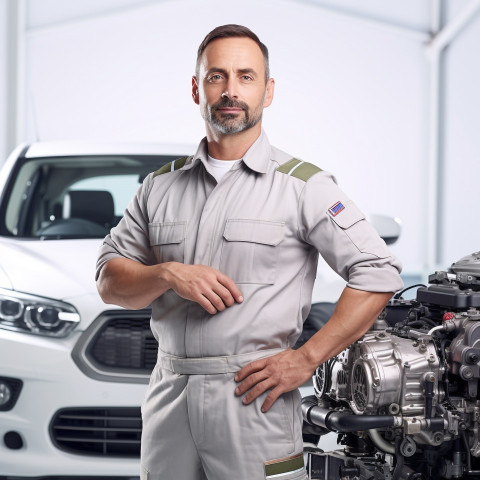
(72, 197)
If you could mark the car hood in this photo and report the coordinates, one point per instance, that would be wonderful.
(60, 269)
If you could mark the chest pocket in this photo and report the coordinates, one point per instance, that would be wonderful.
(168, 241)
(250, 250)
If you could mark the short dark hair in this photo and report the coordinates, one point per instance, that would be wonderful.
(232, 30)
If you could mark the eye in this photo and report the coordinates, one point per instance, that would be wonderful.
(216, 77)
(247, 78)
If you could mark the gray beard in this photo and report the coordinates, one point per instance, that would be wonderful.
(228, 123)
(226, 126)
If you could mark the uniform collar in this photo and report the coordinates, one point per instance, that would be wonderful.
(256, 158)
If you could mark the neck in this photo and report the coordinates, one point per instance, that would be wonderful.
(231, 146)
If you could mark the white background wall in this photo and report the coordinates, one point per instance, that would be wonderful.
(352, 95)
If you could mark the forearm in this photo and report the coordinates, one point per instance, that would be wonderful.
(355, 312)
(131, 284)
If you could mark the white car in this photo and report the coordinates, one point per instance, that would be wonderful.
(73, 370)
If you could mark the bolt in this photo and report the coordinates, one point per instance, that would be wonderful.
(472, 357)
(438, 437)
(422, 348)
(467, 373)
(462, 426)
(431, 359)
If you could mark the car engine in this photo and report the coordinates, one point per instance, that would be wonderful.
(405, 399)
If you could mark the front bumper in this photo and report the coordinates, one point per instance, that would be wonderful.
(52, 381)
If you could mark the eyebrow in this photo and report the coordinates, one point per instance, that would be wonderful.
(242, 71)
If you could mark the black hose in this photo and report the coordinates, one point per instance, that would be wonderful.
(436, 424)
(475, 473)
(399, 294)
(424, 323)
(341, 421)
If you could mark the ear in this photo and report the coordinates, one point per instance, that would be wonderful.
(195, 90)
(269, 92)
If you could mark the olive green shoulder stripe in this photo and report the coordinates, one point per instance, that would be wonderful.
(286, 167)
(172, 166)
(305, 171)
(299, 169)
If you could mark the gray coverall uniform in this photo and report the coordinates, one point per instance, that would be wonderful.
(263, 225)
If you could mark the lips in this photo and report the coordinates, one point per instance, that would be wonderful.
(229, 107)
(229, 110)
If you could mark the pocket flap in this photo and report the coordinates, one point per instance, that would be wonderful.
(349, 216)
(165, 233)
(254, 231)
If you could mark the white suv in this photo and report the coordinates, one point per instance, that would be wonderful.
(72, 370)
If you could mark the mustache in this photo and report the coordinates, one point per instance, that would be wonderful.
(229, 103)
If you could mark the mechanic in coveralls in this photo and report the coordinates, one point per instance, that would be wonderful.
(224, 246)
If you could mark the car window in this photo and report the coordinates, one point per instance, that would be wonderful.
(121, 187)
(72, 197)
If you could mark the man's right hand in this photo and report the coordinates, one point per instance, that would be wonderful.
(207, 286)
(133, 285)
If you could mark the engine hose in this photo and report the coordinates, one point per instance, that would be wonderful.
(400, 459)
(380, 442)
(342, 421)
(473, 473)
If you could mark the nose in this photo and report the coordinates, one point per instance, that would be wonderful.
(230, 89)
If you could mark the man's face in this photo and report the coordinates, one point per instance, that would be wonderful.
(230, 88)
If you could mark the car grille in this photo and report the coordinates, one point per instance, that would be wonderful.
(125, 343)
(98, 431)
(118, 346)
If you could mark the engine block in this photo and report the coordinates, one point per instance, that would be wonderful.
(404, 398)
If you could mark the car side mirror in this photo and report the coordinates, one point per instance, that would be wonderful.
(389, 228)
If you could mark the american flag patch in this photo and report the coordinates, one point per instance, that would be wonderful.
(336, 209)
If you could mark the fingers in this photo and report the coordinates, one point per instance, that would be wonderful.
(250, 381)
(221, 292)
(229, 284)
(257, 381)
(250, 368)
(224, 295)
(206, 304)
(260, 388)
(210, 288)
(271, 398)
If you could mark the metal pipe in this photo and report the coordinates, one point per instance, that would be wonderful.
(15, 105)
(433, 165)
(445, 36)
(436, 329)
(380, 442)
(386, 26)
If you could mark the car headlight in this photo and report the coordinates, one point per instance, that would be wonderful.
(21, 312)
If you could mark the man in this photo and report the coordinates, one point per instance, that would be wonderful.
(227, 257)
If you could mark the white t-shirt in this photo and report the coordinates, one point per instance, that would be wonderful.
(218, 168)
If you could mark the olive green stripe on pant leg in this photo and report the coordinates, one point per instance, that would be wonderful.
(278, 467)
